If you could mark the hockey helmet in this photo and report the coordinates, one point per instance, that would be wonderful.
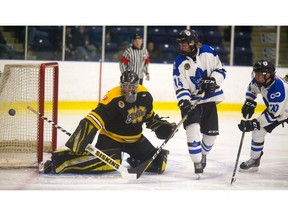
(129, 83)
(263, 72)
(188, 36)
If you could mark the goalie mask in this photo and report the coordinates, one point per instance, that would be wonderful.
(263, 73)
(187, 43)
(129, 84)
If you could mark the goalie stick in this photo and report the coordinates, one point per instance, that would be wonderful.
(143, 166)
(92, 150)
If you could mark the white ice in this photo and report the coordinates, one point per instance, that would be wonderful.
(179, 176)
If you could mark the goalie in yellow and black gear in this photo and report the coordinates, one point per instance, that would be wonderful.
(117, 120)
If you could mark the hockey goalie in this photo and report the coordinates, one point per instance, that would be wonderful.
(118, 119)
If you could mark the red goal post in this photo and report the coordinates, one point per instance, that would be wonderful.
(24, 137)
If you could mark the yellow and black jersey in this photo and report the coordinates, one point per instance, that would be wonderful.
(120, 120)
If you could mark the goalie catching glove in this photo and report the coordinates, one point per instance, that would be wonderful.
(162, 128)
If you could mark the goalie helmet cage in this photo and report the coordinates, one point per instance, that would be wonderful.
(24, 136)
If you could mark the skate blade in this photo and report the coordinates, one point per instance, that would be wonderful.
(198, 176)
(252, 169)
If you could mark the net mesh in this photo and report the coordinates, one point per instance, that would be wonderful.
(19, 132)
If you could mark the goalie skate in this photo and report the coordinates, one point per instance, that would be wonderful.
(46, 168)
(251, 165)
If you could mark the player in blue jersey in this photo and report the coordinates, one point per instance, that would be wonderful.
(198, 69)
(274, 91)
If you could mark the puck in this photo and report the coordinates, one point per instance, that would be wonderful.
(12, 112)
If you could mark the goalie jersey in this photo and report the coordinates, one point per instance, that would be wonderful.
(120, 120)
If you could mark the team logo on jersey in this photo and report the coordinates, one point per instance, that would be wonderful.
(187, 66)
(135, 114)
(121, 104)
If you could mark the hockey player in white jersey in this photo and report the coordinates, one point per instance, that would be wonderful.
(274, 91)
(198, 69)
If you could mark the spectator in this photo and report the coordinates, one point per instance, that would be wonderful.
(116, 56)
(84, 50)
(155, 55)
(33, 33)
(136, 58)
(69, 47)
(6, 52)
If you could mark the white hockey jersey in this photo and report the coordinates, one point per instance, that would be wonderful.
(275, 98)
(188, 75)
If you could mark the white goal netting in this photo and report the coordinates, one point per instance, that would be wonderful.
(23, 135)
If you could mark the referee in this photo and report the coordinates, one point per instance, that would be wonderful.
(136, 58)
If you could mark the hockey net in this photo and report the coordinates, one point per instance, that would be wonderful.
(24, 136)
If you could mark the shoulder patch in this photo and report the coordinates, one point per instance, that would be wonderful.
(121, 104)
(187, 66)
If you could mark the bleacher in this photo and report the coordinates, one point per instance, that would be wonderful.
(250, 43)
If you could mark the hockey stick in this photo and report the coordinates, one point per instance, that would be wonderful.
(143, 166)
(91, 149)
(233, 179)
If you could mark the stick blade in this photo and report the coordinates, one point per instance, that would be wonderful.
(141, 168)
(127, 175)
(232, 180)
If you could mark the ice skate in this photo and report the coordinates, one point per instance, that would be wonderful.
(48, 167)
(203, 161)
(41, 168)
(251, 165)
(198, 170)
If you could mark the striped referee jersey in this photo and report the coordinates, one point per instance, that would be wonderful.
(136, 60)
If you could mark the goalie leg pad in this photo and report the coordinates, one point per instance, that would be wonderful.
(82, 136)
(162, 128)
(157, 166)
(66, 161)
(159, 163)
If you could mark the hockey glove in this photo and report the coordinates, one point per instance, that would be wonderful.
(249, 125)
(209, 85)
(248, 108)
(162, 128)
(185, 106)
